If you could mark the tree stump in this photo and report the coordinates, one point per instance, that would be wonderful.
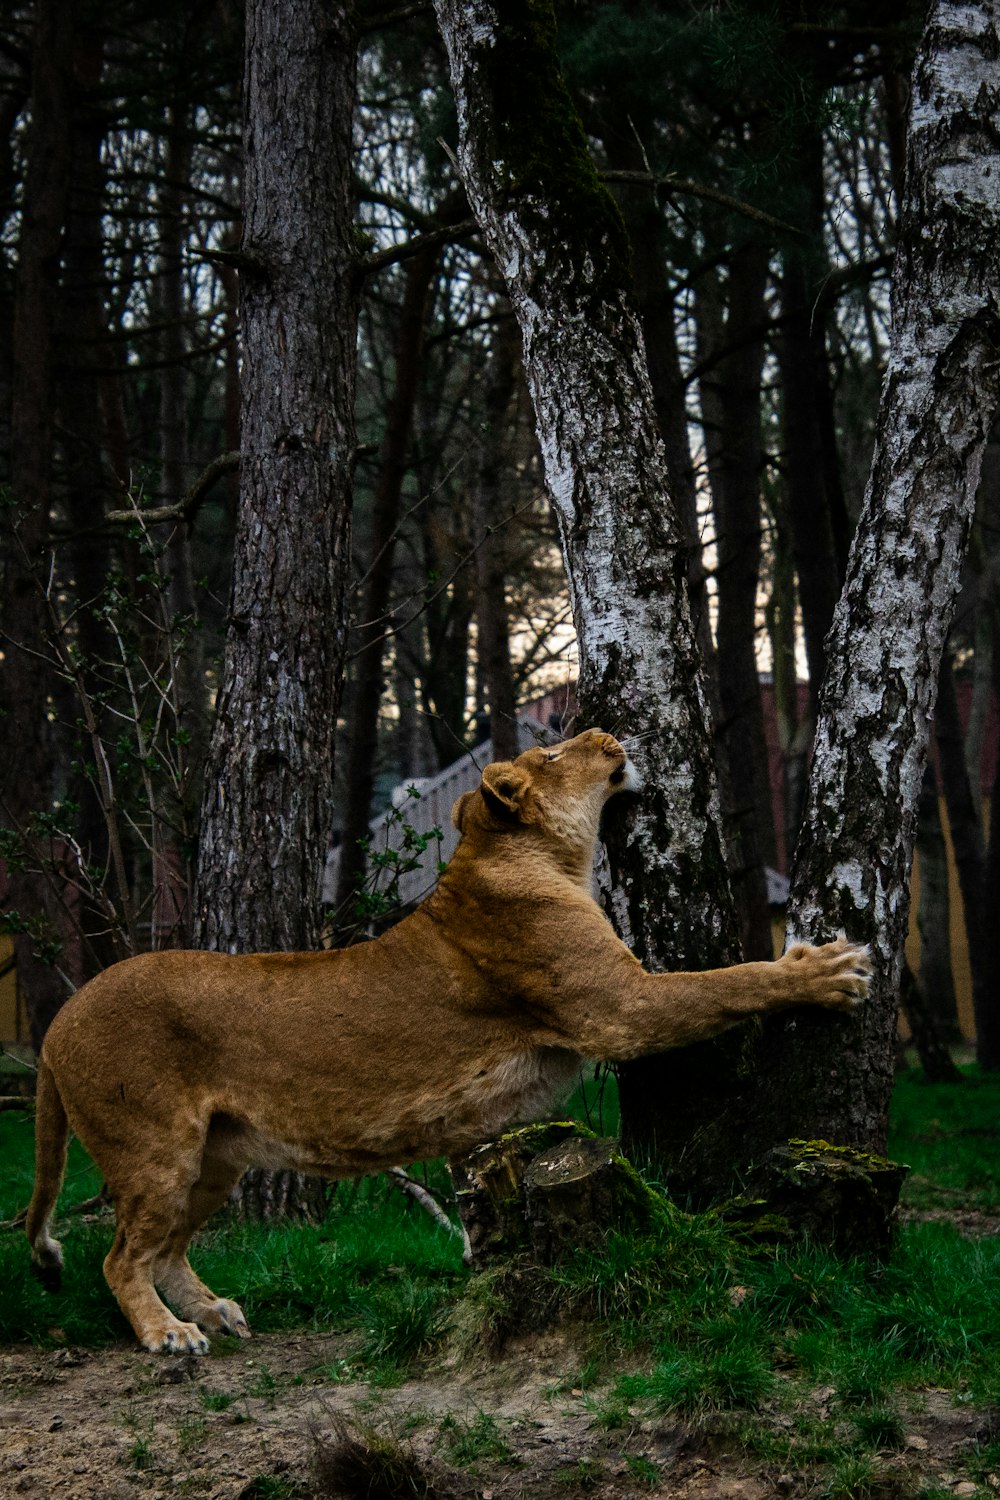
(545, 1191)
(577, 1190)
(832, 1195)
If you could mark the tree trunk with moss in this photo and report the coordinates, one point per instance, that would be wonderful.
(266, 816)
(545, 1191)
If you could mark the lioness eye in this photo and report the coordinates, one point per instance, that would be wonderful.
(554, 755)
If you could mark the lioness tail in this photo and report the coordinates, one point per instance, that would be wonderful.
(51, 1136)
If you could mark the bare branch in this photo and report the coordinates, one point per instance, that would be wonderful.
(188, 507)
(686, 188)
(426, 1199)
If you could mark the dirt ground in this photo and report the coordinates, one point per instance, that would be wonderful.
(82, 1425)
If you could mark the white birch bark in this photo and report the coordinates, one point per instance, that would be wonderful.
(559, 242)
(939, 399)
(524, 163)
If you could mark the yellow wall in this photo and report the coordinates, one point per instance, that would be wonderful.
(13, 1022)
(961, 972)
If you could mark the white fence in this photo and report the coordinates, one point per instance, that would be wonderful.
(432, 809)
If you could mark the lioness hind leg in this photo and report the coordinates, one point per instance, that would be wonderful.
(146, 1222)
(174, 1274)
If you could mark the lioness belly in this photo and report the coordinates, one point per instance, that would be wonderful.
(401, 1126)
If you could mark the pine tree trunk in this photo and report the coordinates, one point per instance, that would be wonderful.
(731, 406)
(988, 1014)
(974, 869)
(805, 477)
(267, 810)
(934, 914)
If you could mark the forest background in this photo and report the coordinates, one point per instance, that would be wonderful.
(736, 175)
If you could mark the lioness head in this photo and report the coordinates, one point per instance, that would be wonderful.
(556, 789)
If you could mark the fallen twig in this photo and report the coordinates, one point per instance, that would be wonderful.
(426, 1199)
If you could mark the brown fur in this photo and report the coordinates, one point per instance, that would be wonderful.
(179, 1070)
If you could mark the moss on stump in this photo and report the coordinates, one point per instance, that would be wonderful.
(832, 1195)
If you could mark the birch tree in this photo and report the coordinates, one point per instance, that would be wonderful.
(939, 400)
(559, 242)
(559, 246)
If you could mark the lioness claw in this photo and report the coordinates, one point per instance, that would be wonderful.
(186, 1338)
(835, 975)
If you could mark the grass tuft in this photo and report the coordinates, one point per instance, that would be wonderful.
(477, 1441)
(360, 1463)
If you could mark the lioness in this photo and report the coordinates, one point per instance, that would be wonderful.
(179, 1070)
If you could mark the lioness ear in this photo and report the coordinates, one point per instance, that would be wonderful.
(504, 788)
(459, 810)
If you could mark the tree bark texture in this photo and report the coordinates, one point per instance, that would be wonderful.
(267, 807)
(934, 911)
(988, 1022)
(558, 239)
(489, 518)
(976, 867)
(831, 1078)
(560, 249)
(804, 377)
(731, 393)
(26, 781)
(939, 399)
(654, 297)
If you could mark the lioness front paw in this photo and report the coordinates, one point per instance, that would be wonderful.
(175, 1337)
(835, 975)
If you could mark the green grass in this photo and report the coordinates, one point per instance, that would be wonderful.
(950, 1137)
(474, 1442)
(713, 1332)
(17, 1175)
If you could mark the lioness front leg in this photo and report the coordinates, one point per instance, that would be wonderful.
(174, 1275)
(657, 1012)
(127, 1269)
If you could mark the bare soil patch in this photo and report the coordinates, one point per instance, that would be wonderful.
(243, 1423)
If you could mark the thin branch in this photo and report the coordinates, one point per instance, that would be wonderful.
(420, 1195)
(371, 264)
(186, 509)
(689, 189)
(394, 17)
